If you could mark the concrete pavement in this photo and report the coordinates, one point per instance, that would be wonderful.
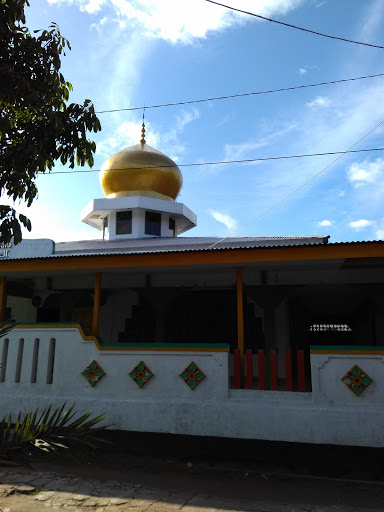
(26, 490)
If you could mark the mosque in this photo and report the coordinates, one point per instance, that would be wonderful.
(277, 338)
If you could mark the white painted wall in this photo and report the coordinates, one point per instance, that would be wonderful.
(329, 390)
(98, 209)
(331, 414)
(27, 248)
(73, 354)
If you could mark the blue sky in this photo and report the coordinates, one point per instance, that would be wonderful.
(127, 53)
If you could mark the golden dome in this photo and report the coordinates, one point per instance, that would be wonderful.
(141, 170)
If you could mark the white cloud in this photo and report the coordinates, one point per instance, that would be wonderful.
(320, 101)
(225, 219)
(303, 70)
(182, 120)
(370, 26)
(360, 224)
(92, 6)
(223, 120)
(55, 229)
(379, 229)
(182, 21)
(98, 25)
(325, 223)
(129, 133)
(361, 173)
(247, 149)
(186, 117)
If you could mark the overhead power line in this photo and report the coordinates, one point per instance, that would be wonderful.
(231, 96)
(223, 162)
(349, 150)
(295, 26)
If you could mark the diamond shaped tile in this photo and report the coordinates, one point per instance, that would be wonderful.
(356, 380)
(93, 373)
(141, 374)
(192, 375)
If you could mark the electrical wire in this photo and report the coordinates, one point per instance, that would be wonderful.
(247, 160)
(231, 96)
(298, 188)
(295, 26)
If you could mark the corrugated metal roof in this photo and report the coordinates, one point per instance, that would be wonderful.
(155, 245)
(183, 248)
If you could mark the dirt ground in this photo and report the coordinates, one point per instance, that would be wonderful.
(180, 473)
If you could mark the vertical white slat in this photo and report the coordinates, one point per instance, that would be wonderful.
(13, 348)
(26, 366)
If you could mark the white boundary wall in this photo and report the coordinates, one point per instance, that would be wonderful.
(331, 414)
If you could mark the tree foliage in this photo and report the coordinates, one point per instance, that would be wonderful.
(37, 124)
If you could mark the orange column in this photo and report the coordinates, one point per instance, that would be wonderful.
(96, 305)
(3, 297)
(240, 321)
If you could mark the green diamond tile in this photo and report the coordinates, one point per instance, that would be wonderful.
(141, 374)
(192, 375)
(357, 380)
(93, 373)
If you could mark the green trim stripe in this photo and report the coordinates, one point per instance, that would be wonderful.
(214, 347)
(347, 348)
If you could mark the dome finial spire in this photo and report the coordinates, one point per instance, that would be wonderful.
(142, 140)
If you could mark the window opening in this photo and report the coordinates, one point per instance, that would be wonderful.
(123, 223)
(172, 227)
(153, 223)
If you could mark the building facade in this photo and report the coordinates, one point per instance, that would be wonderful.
(276, 338)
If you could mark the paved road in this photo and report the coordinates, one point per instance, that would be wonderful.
(135, 490)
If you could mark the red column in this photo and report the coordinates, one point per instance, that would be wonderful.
(301, 370)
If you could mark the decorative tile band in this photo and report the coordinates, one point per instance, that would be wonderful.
(356, 380)
(192, 375)
(141, 374)
(93, 373)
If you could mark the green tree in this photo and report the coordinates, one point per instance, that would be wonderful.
(37, 124)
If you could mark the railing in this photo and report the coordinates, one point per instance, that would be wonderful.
(264, 375)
